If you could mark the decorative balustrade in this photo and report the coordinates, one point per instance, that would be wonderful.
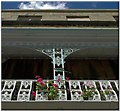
(7, 90)
(21, 90)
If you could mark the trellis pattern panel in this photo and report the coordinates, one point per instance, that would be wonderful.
(96, 96)
(105, 86)
(8, 89)
(58, 55)
(72, 91)
(75, 90)
(25, 90)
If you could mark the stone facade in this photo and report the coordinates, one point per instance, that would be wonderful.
(61, 15)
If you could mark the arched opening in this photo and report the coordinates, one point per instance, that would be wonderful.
(24, 63)
(93, 64)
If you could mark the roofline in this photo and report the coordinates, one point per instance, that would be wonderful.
(62, 10)
(54, 28)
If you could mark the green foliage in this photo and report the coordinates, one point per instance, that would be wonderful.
(51, 91)
(88, 93)
(108, 92)
(102, 95)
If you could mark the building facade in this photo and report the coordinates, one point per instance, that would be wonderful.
(81, 44)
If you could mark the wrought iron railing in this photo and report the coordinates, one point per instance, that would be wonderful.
(21, 90)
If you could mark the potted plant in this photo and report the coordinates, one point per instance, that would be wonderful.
(49, 88)
(88, 91)
(107, 91)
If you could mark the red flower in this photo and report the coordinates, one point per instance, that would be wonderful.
(39, 79)
(67, 78)
(41, 83)
(37, 76)
(34, 93)
(58, 79)
(55, 85)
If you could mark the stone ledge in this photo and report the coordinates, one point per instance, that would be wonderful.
(59, 105)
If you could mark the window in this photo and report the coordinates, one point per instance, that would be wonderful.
(29, 18)
(116, 18)
(78, 18)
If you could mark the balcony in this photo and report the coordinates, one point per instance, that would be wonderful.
(17, 94)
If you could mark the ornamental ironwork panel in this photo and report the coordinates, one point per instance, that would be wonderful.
(8, 89)
(70, 90)
(24, 91)
(75, 90)
(108, 91)
(58, 55)
(91, 84)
